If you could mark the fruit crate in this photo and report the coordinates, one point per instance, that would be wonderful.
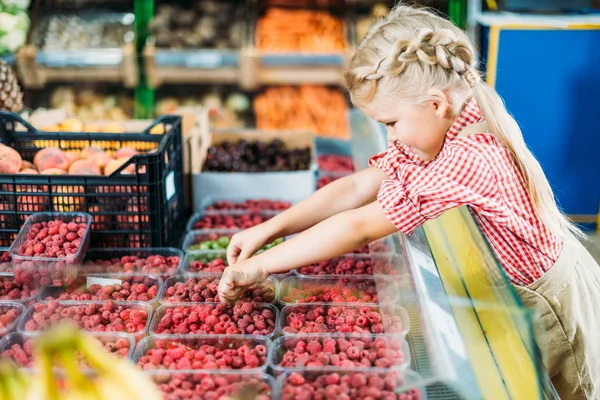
(53, 271)
(162, 312)
(96, 261)
(127, 305)
(268, 289)
(19, 338)
(374, 343)
(5, 308)
(394, 319)
(236, 384)
(347, 290)
(195, 342)
(140, 209)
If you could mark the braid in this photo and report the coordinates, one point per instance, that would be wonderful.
(440, 47)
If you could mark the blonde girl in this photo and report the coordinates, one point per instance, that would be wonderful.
(451, 143)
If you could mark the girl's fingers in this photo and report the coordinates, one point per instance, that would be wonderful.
(233, 251)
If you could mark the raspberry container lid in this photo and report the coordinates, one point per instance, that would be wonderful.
(382, 309)
(53, 291)
(5, 306)
(107, 254)
(19, 337)
(162, 376)
(409, 380)
(25, 300)
(280, 344)
(197, 340)
(383, 286)
(162, 296)
(160, 312)
(71, 261)
(135, 305)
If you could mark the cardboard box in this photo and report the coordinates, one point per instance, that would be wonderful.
(292, 185)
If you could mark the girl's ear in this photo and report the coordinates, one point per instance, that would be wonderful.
(440, 103)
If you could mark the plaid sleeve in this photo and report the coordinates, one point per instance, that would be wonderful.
(387, 161)
(419, 193)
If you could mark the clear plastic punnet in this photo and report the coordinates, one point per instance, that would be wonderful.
(258, 348)
(11, 314)
(14, 289)
(160, 261)
(63, 310)
(321, 352)
(191, 288)
(243, 204)
(238, 219)
(236, 384)
(117, 343)
(343, 289)
(53, 271)
(368, 318)
(166, 322)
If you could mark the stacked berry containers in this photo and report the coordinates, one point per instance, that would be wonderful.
(11, 314)
(160, 262)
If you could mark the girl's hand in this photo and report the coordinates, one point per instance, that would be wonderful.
(237, 278)
(244, 244)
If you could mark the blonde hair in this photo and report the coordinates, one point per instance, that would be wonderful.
(411, 51)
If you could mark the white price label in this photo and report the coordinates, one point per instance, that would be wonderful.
(170, 185)
(446, 325)
(92, 280)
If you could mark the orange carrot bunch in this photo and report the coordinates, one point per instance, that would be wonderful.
(300, 30)
(316, 109)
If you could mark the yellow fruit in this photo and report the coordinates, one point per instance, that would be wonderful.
(72, 125)
(91, 127)
(113, 127)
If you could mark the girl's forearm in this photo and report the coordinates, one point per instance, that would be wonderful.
(344, 194)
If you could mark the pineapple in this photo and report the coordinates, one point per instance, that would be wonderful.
(11, 97)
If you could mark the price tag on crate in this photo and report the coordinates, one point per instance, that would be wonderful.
(205, 60)
(92, 280)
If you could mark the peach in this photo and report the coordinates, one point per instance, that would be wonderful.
(126, 152)
(53, 171)
(91, 128)
(72, 157)
(28, 171)
(114, 165)
(27, 165)
(90, 152)
(84, 167)
(10, 160)
(71, 125)
(51, 157)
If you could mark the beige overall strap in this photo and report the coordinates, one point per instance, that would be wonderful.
(479, 127)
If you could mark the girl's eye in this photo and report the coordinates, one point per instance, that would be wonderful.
(390, 124)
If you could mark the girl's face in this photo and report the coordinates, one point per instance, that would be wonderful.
(422, 126)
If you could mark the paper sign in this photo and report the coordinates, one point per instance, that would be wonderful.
(92, 280)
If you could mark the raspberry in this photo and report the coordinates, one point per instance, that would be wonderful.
(296, 379)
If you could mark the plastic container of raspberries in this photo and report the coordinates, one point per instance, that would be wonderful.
(159, 261)
(11, 314)
(185, 291)
(5, 260)
(23, 357)
(255, 345)
(243, 204)
(221, 384)
(54, 271)
(238, 219)
(75, 305)
(12, 288)
(197, 239)
(346, 289)
(107, 286)
(347, 265)
(321, 351)
(164, 315)
(362, 383)
(302, 319)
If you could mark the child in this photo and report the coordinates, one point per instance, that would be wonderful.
(451, 143)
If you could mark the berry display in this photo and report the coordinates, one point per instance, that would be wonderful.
(335, 163)
(308, 290)
(347, 385)
(154, 265)
(131, 288)
(96, 317)
(255, 156)
(339, 266)
(214, 242)
(230, 221)
(13, 288)
(244, 317)
(195, 386)
(205, 289)
(53, 239)
(339, 319)
(189, 353)
(8, 315)
(345, 351)
(326, 180)
(5, 262)
(206, 263)
(22, 353)
(249, 205)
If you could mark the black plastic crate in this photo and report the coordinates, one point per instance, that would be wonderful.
(141, 209)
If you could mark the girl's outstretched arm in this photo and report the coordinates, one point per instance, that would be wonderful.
(333, 237)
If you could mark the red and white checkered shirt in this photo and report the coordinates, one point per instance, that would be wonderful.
(478, 171)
